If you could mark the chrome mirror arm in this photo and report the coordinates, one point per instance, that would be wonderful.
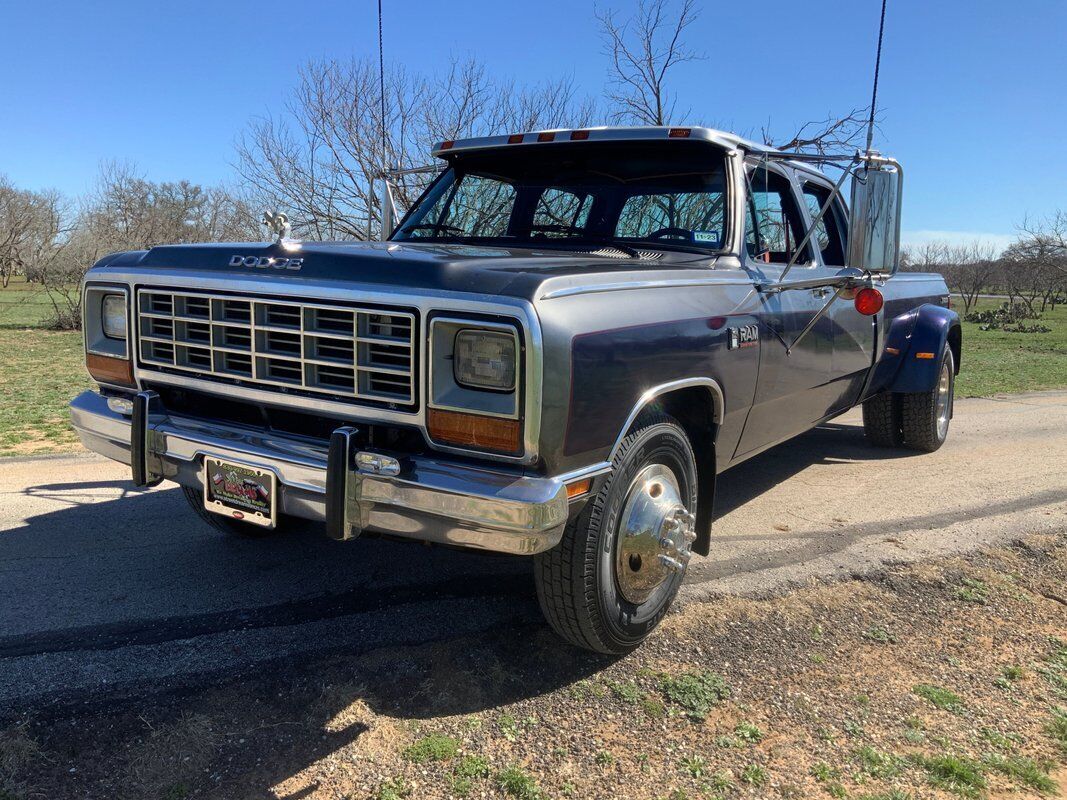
(845, 172)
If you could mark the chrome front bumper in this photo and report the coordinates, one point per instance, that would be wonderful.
(430, 500)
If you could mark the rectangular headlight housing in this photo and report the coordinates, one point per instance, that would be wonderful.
(485, 360)
(113, 316)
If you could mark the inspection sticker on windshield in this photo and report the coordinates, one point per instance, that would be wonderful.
(706, 237)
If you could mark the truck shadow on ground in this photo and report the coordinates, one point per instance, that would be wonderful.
(117, 567)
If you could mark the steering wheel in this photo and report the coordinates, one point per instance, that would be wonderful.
(678, 233)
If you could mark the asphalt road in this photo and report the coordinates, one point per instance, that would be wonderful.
(106, 590)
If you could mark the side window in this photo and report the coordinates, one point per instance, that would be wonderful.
(773, 225)
(828, 231)
(561, 213)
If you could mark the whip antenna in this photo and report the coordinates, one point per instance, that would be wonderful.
(877, 67)
(381, 82)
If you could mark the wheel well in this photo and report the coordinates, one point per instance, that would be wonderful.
(694, 408)
(955, 341)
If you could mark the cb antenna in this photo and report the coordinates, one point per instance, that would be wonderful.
(877, 67)
(381, 83)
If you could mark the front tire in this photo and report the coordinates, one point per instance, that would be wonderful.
(621, 561)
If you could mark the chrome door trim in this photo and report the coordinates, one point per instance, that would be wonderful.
(709, 383)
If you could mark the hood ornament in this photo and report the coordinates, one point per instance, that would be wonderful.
(279, 224)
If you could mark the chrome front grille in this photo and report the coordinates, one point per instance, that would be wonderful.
(359, 353)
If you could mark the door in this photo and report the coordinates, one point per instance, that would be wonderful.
(791, 388)
(851, 332)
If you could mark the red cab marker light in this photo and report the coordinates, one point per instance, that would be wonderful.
(515, 138)
(679, 133)
(547, 136)
(869, 301)
(447, 145)
(579, 136)
(716, 322)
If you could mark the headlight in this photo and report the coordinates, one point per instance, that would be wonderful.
(113, 316)
(485, 360)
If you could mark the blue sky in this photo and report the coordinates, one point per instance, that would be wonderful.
(972, 90)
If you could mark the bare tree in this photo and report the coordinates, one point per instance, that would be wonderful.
(832, 134)
(318, 159)
(128, 212)
(643, 51)
(32, 225)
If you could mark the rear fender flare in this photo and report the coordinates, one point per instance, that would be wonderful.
(918, 343)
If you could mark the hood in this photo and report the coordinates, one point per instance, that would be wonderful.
(515, 272)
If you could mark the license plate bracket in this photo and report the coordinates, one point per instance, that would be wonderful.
(244, 492)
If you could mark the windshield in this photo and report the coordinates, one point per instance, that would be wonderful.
(669, 195)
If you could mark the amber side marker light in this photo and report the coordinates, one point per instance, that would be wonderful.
(578, 488)
(473, 430)
(107, 369)
(924, 355)
(869, 301)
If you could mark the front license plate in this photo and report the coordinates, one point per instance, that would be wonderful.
(240, 491)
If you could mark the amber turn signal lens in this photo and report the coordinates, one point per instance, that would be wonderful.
(868, 301)
(108, 369)
(578, 488)
(473, 430)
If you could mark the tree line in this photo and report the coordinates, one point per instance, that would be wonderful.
(1031, 271)
(317, 157)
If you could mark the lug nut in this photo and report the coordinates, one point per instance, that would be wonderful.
(672, 564)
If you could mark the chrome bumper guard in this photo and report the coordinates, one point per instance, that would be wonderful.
(430, 499)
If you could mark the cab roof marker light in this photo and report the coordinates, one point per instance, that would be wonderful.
(446, 145)
(579, 136)
(546, 136)
(515, 138)
(679, 133)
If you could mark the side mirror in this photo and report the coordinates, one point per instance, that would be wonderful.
(874, 224)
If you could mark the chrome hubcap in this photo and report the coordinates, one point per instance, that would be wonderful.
(655, 533)
(944, 399)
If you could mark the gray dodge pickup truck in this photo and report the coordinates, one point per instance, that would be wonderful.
(554, 354)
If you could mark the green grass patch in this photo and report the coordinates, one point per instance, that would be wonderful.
(754, 775)
(1025, 771)
(957, 774)
(1054, 669)
(941, 698)
(41, 371)
(1056, 727)
(878, 764)
(995, 362)
(516, 782)
(972, 590)
(747, 732)
(696, 693)
(394, 789)
(434, 747)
